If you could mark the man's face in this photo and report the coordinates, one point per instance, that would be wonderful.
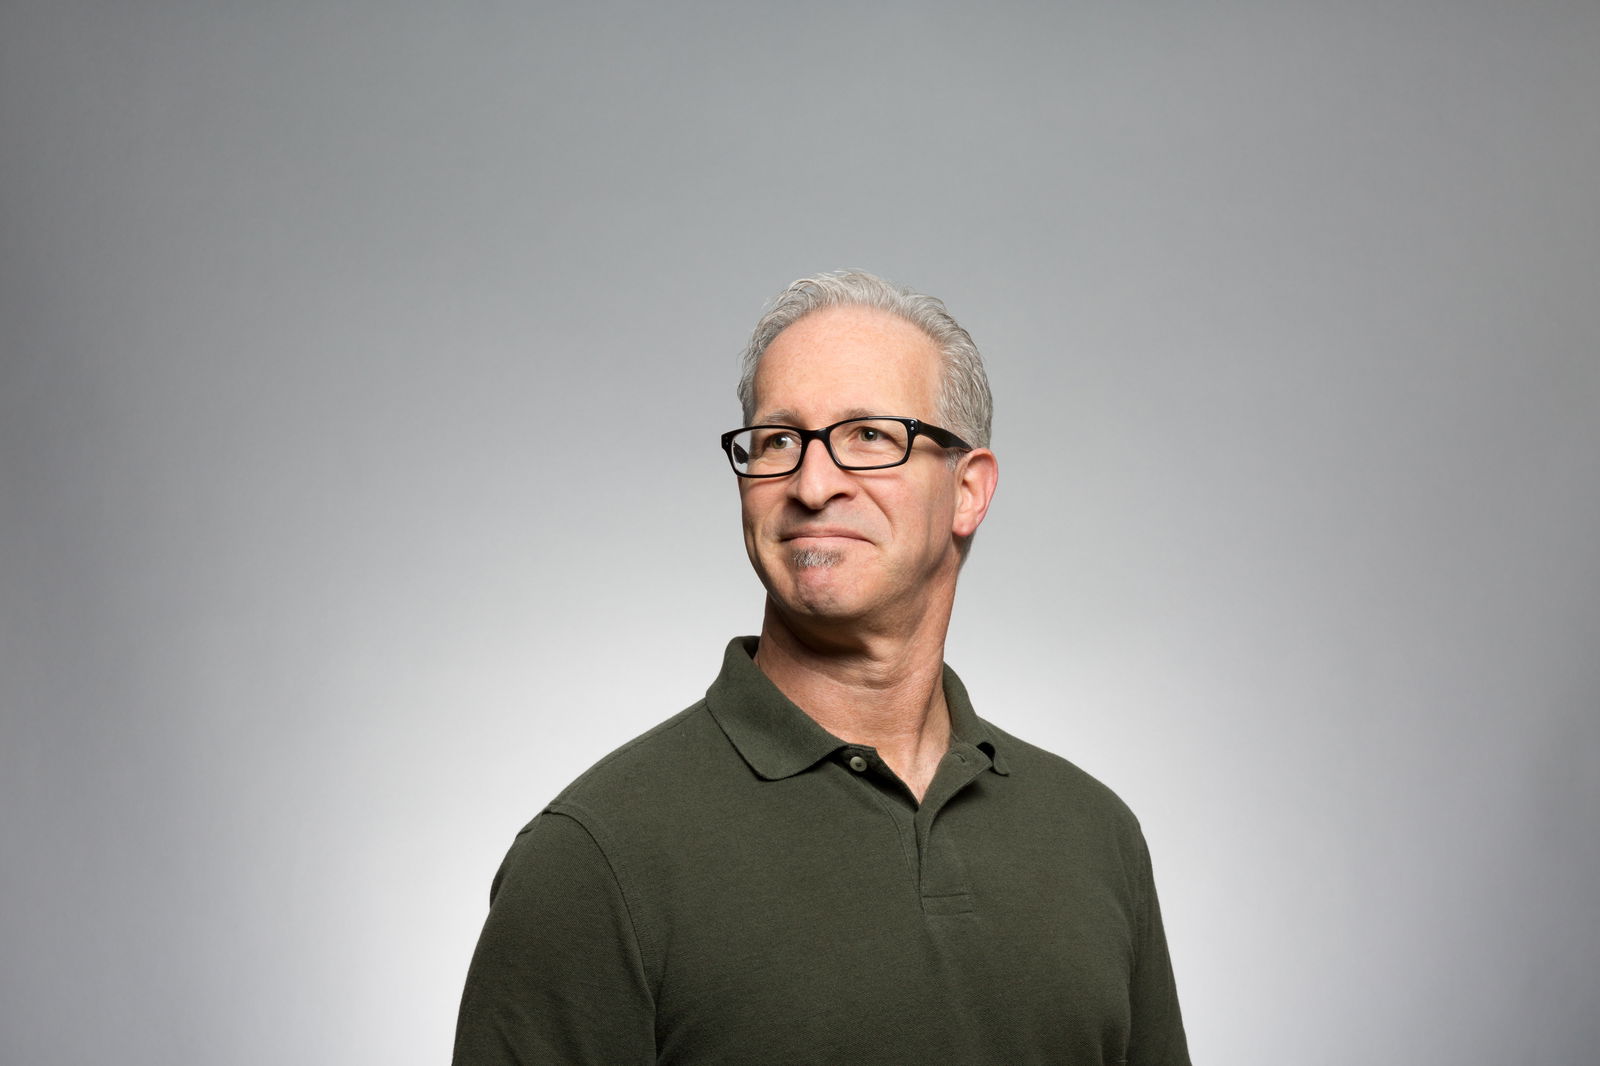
(833, 545)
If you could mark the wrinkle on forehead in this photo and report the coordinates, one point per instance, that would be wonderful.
(785, 417)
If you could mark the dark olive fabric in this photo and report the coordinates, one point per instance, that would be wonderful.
(740, 886)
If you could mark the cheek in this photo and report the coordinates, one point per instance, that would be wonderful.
(754, 507)
(924, 514)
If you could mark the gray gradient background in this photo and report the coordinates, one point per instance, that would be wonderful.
(318, 321)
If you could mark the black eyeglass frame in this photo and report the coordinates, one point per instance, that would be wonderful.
(915, 428)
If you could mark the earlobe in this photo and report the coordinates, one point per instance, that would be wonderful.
(976, 480)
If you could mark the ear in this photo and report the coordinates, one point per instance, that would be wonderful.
(976, 479)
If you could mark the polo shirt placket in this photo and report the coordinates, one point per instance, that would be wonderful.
(937, 868)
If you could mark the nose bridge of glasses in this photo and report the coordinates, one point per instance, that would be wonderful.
(823, 438)
(816, 478)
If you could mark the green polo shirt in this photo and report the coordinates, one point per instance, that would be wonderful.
(740, 886)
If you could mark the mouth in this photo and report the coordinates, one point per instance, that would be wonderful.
(820, 538)
(820, 535)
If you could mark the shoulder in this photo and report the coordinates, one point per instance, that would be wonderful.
(658, 751)
(652, 777)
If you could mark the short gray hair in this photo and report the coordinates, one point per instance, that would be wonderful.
(966, 407)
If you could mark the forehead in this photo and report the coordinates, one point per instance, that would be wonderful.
(848, 359)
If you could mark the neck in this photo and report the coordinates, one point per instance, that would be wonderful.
(884, 691)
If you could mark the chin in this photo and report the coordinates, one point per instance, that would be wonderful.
(821, 593)
(820, 582)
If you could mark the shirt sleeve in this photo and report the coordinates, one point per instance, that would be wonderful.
(1156, 1037)
(557, 976)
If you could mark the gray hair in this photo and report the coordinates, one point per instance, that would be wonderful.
(965, 406)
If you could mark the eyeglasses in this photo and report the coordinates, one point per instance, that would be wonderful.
(874, 443)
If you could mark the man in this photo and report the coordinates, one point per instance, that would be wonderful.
(831, 858)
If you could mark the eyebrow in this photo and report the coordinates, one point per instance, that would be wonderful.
(786, 417)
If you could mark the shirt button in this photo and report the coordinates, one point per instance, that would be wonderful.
(858, 764)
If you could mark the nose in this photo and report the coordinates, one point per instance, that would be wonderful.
(819, 479)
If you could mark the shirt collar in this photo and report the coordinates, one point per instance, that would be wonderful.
(779, 740)
(965, 725)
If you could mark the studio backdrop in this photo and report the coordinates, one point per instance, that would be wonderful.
(363, 366)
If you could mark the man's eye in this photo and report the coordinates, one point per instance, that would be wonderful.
(869, 433)
(774, 442)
